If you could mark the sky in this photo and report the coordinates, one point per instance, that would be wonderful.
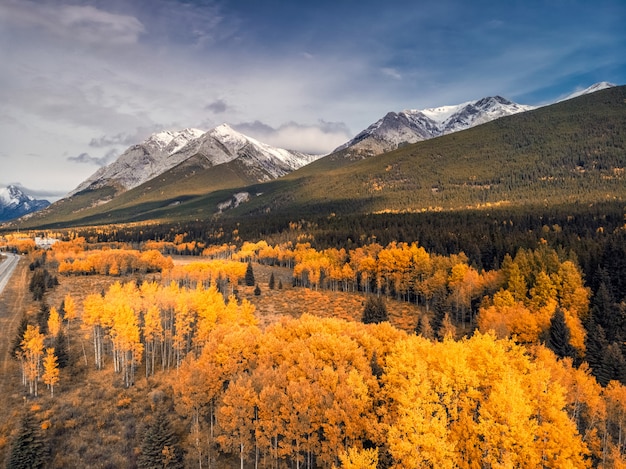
(81, 81)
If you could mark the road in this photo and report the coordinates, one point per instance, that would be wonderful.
(7, 266)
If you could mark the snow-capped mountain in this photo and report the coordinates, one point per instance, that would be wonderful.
(141, 162)
(14, 203)
(223, 144)
(411, 126)
(165, 150)
(592, 89)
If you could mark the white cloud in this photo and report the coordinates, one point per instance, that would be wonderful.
(84, 24)
(392, 72)
(320, 138)
(110, 156)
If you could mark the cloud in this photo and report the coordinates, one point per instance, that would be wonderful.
(86, 158)
(320, 138)
(81, 23)
(218, 106)
(392, 72)
(126, 139)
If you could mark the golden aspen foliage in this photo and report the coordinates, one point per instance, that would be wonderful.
(490, 391)
(236, 417)
(54, 322)
(32, 353)
(354, 458)
(50, 375)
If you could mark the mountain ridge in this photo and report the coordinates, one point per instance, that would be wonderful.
(192, 190)
(165, 150)
(412, 125)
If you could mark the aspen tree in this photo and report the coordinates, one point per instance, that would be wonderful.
(93, 319)
(32, 347)
(54, 322)
(69, 306)
(237, 418)
(51, 370)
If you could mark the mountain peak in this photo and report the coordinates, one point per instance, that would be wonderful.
(14, 203)
(411, 126)
(165, 150)
(602, 85)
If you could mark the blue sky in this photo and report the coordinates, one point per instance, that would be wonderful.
(83, 80)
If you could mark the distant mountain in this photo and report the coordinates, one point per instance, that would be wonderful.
(592, 89)
(165, 150)
(14, 203)
(411, 126)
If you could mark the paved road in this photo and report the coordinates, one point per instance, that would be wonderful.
(7, 266)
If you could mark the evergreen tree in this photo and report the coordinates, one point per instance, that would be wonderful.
(559, 336)
(272, 282)
(249, 277)
(42, 317)
(29, 449)
(424, 328)
(280, 284)
(19, 336)
(60, 349)
(257, 290)
(615, 363)
(375, 311)
(159, 445)
(595, 348)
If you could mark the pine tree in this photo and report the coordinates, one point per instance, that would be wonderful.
(375, 311)
(29, 449)
(159, 445)
(272, 282)
(424, 328)
(595, 349)
(19, 336)
(559, 336)
(249, 278)
(257, 290)
(615, 363)
(60, 348)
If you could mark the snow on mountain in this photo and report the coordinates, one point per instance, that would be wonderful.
(141, 162)
(14, 203)
(410, 126)
(165, 150)
(592, 89)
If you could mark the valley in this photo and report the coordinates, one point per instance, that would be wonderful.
(464, 294)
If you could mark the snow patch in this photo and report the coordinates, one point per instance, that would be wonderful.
(234, 201)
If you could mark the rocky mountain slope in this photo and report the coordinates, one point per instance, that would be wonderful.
(396, 129)
(165, 150)
(410, 126)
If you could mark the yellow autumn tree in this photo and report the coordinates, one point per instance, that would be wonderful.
(50, 370)
(32, 353)
(54, 322)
